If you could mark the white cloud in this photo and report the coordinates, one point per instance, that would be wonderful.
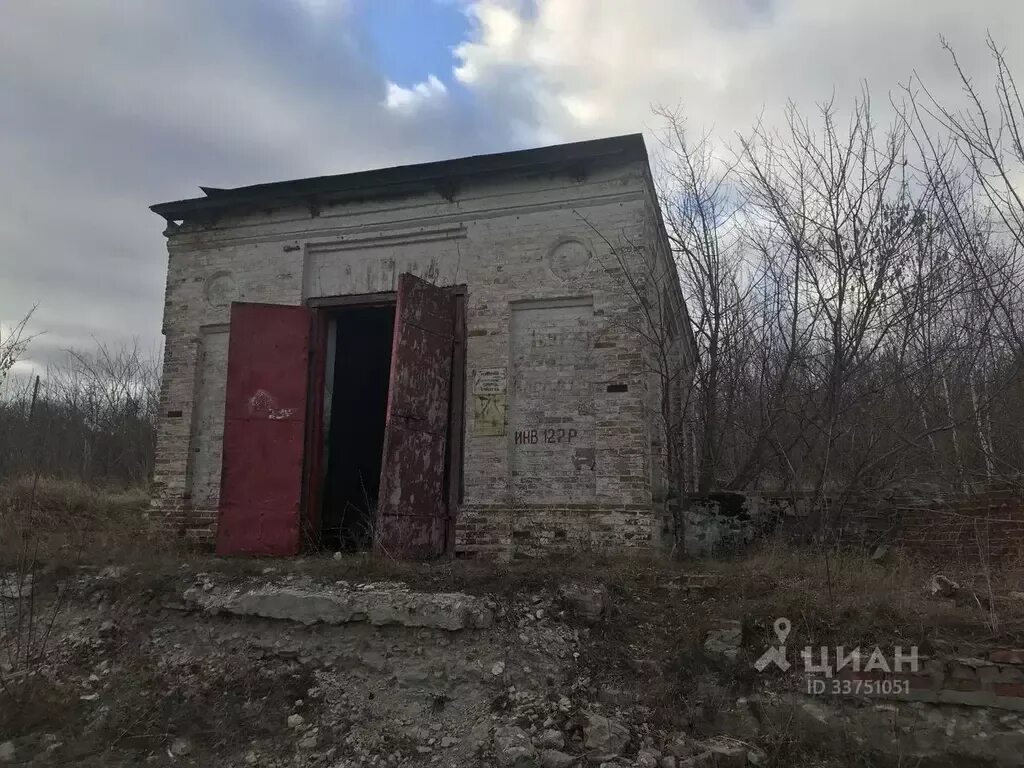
(409, 100)
(580, 68)
(499, 33)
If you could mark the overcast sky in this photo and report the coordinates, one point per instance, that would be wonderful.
(108, 106)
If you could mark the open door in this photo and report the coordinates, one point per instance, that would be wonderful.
(412, 511)
(264, 430)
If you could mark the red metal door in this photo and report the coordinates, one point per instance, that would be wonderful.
(264, 429)
(411, 508)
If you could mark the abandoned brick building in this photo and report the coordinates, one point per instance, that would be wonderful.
(456, 357)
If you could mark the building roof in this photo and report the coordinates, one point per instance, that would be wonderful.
(443, 176)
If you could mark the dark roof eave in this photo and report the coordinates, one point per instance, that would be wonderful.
(408, 179)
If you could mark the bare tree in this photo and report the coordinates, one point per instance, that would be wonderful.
(848, 331)
(700, 213)
(13, 345)
(972, 157)
(94, 419)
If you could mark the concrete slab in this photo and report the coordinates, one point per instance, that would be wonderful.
(377, 606)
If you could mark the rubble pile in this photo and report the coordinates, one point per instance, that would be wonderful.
(294, 672)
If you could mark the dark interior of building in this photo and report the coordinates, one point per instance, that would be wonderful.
(362, 366)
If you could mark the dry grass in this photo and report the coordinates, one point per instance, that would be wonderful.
(64, 522)
(838, 596)
(845, 597)
(72, 497)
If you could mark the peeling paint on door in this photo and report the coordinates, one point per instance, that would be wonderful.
(262, 403)
(412, 509)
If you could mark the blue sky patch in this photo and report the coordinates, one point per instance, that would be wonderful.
(412, 38)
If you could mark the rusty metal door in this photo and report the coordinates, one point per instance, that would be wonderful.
(411, 508)
(264, 430)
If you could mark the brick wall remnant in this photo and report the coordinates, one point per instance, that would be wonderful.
(961, 527)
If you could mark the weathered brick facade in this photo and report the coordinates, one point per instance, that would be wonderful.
(545, 262)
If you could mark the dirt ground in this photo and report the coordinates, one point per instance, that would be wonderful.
(103, 661)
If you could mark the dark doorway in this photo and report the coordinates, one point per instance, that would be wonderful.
(355, 403)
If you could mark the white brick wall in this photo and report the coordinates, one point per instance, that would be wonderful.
(513, 242)
(208, 420)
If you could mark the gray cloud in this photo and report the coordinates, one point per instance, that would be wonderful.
(110, 106)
